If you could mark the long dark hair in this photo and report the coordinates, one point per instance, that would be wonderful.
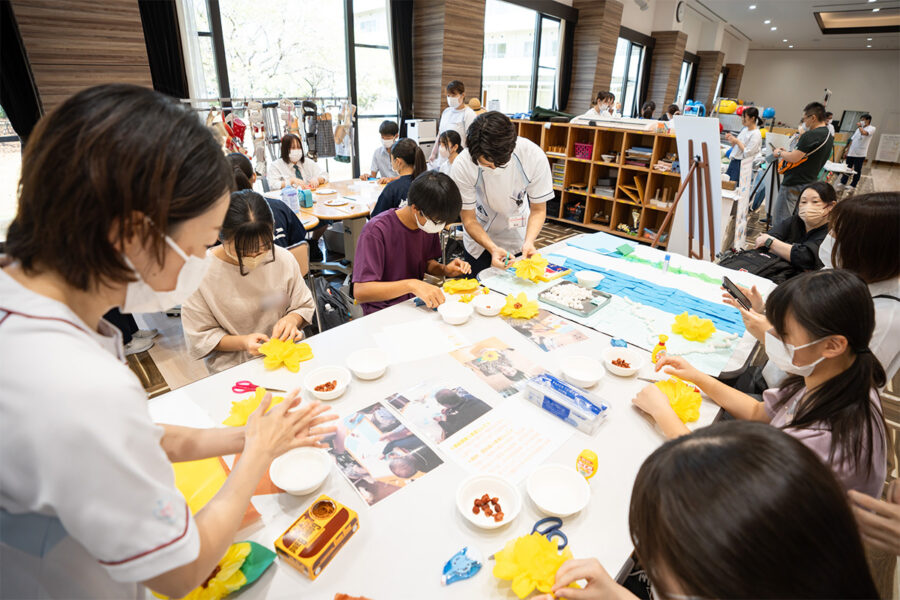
(866, 234)
(114, 150)
(249, 224)
(243, 171)
(409, 152)
(742, 510)
(287, 142)
(753, 113)
(824, 303)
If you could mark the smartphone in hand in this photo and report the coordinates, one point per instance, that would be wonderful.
(736, 293)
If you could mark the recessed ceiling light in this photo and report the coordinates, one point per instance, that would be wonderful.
(871, 1)
(783, 40)
(791, 46)
(868, 39)
(869, 46)
(875, 9)
(773, 28)
(753, 6)
(767, 21)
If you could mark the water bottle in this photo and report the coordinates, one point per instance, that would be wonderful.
(289, 197)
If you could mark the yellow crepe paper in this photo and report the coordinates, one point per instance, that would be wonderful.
(278, 352)
(242, 409)
(519, 307)
(693, 328)
(684, 398)
(531, 268)
(199, 480)
(530, 562)
(461, 286)
(227, 576)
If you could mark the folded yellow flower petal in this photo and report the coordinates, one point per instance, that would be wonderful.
(522, 585)
(242, 409)
(693, 328)
(684, 398)
(530, 561)
(461, 286)
(279, 352)
(227, 576)
(519, 307)
(531, 268)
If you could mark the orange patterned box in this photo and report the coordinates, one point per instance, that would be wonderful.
(312, 541)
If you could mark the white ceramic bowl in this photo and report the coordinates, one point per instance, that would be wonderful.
(582, 371)
(588, 279)
(630, 356)
(488, 305)
(368, 363)
(301, 470)
(326, 374)
(475, 487)
(455, 313)
(608, 157)
(557, 490)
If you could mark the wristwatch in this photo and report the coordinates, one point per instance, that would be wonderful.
(768, 243)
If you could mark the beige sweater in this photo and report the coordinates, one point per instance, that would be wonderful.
(228, 303)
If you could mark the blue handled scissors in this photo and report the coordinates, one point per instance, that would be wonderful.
(245, 387)
(552, 529)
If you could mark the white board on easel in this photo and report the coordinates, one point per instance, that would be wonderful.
(700, 130)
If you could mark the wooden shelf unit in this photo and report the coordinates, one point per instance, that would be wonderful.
(632, 186)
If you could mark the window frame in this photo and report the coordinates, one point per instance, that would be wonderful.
(694, 61)
(536, 58)
(643, 80)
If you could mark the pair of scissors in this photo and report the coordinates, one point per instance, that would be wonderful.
(551, 527)
(245, 387)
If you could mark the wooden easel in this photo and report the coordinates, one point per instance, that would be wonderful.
(697, 199)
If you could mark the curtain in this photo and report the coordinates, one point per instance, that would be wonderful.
(160, 21)
(400, 14)
(564, 71)
(18, 95)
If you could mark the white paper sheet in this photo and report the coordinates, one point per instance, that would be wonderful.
(176, 408)
(422, 338)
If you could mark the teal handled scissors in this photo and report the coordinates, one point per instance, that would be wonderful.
(245, 387)
(551, 527)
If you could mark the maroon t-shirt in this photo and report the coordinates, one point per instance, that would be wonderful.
(389, 251)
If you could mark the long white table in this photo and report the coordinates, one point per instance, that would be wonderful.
(404, 540)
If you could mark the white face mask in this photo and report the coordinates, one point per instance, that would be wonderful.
(141, 298)
(453, 101)
(782, 356)
(296, 155)
(825, 251)
(429, 226)
(249, 262)
(388, 143)
(443, 152)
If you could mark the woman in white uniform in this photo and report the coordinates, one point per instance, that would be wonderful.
(294, 168)
(89, 506)
(505, 183)
(458, 116)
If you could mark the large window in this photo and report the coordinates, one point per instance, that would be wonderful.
(521, 56)
(686, 79)
(629, 81)
(10, 165)
(720, 84)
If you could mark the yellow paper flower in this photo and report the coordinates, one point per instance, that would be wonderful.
(461, 286)
(684, 398)
(278, 352)
(530, 562)
(225, 578)
(531, 268)
(693, 328)
(242, 409)
(519, 307)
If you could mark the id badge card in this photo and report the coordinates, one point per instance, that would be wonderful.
(517, 221)
(520, 218)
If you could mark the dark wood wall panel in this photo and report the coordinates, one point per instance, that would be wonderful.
(75, 44)
(596, 35)
(668, 54)
(708, 75)
(428, 56)
(732, 86)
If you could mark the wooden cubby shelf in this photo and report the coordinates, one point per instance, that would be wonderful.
(600, 191)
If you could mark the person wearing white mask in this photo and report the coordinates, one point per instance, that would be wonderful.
(505, 184)
(449, 147)
(381, 158)
(604, 108)
(89, 505)
(797, 239)
(294, 168)
(458, 116)
(822, 324)
(398, 247)
(253, 290)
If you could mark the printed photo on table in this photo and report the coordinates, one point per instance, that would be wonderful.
(438, 411)
(498, 364)
(547, 330)
(377, 454)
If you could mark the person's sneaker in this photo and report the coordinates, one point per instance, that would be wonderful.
(138, 344)
(315, 253)
(145, 333)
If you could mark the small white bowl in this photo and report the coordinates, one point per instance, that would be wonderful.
(496, 487)
(324, 375)
(588, 279)
(608, 157)
(301, 470)
(557, 490)
(368, 363)
(488, 305)
(582, 371)
(455, 313)
(630, 356)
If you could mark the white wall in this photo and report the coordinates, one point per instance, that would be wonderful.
(693, 27)
(635, 18)
(859, 80)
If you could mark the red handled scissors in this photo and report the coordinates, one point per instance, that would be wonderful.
(245, 387)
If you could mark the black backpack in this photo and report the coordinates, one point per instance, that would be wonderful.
(759, 262)
(331, 306)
